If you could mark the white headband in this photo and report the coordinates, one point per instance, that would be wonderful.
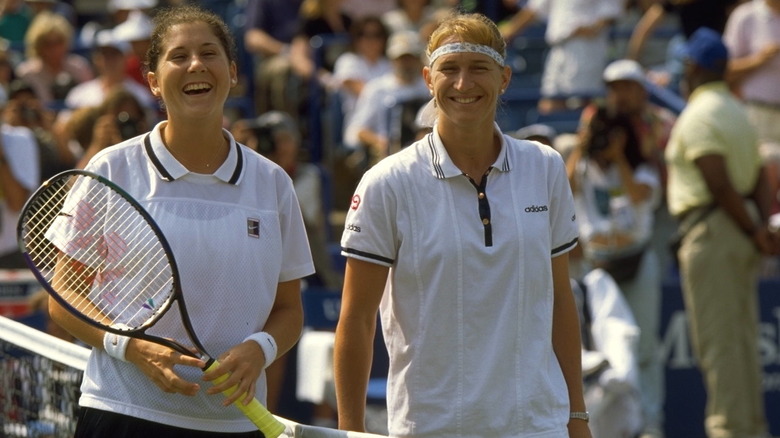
(466, 48)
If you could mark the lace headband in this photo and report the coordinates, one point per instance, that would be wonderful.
(466, 48)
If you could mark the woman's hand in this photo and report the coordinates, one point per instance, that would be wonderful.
(157, 362)
(243, 364)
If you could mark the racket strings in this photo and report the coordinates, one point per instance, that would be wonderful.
(99, 253)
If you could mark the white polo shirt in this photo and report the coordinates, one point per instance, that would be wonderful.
(467, 310)
(229, 270)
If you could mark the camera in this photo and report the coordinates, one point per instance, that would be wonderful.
(603, 124)
(128, 126)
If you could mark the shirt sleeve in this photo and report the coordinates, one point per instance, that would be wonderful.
(370, 232)
(563, 219)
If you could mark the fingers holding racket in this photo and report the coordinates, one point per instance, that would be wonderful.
(255, 411)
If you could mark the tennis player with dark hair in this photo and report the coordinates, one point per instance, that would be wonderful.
(461, 242)
(234, 224)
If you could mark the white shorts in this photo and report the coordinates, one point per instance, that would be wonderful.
(575, 67)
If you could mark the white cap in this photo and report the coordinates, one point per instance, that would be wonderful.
(405, 42)
(116, 5)
(624, 70)
(137, 27)
(106, 38)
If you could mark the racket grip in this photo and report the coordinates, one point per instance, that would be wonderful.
(255, 411)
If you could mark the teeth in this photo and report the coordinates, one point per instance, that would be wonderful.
(197, 87)
(465, 99)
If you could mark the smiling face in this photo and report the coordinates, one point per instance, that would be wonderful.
(194, 73)
(466, 86)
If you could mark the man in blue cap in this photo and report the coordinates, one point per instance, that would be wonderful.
(719, 193)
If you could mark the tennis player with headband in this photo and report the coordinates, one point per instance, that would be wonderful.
(460, 241)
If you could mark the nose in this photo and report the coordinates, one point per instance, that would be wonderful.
(463, 80)
(196, 64)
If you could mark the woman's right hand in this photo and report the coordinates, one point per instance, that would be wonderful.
(157, 363)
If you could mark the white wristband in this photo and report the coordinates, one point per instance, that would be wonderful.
(115, 345)
(267, 343)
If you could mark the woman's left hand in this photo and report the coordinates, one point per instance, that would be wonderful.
(243, 364)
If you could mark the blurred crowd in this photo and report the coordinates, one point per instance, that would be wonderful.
(329, 87)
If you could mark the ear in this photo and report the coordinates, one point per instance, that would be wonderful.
(151, 78)
(506, 76)
(233, 74)
(426, 72)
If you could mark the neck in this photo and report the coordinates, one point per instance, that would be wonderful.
(472, 150)
(200, 148)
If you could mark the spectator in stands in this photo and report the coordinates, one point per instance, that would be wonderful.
(190, 165)
(544, 134)
(461, 242)
(19, 177)
(109, 56)
(25, 109)
(719, 192)
(409, 15)
(15, 17)
(50, 67)
(692, 14)
(617, 190)
(136, 31)
(357, 9)
(627, 95)
(270, 28)
(364, 61)
(369, 132)
(609, 356)
(61, 8)
(318, 17)
(120, 117)
(578, 36)
(752, 36)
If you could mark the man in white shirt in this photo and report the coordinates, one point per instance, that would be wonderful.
(370, 127)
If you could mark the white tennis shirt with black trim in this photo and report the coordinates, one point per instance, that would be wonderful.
(235, 235)
(467, 310)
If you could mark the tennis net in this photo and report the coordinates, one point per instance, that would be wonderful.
(40, 377)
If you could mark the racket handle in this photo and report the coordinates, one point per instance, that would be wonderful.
(255, 411)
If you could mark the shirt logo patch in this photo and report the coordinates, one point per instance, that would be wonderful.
(536, 209)
(353, 227)
(355, 202)
(253, 227)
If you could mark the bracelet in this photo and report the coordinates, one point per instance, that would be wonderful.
(584, 416)
(267, 343)
(116, 345)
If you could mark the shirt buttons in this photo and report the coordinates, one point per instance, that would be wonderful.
(485, 221)
(481, 196)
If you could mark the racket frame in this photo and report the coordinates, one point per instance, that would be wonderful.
(177, 295)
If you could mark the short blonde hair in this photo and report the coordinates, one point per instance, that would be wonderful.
(46, 23)
(472, 28)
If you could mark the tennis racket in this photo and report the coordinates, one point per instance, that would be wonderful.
(103, 257)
